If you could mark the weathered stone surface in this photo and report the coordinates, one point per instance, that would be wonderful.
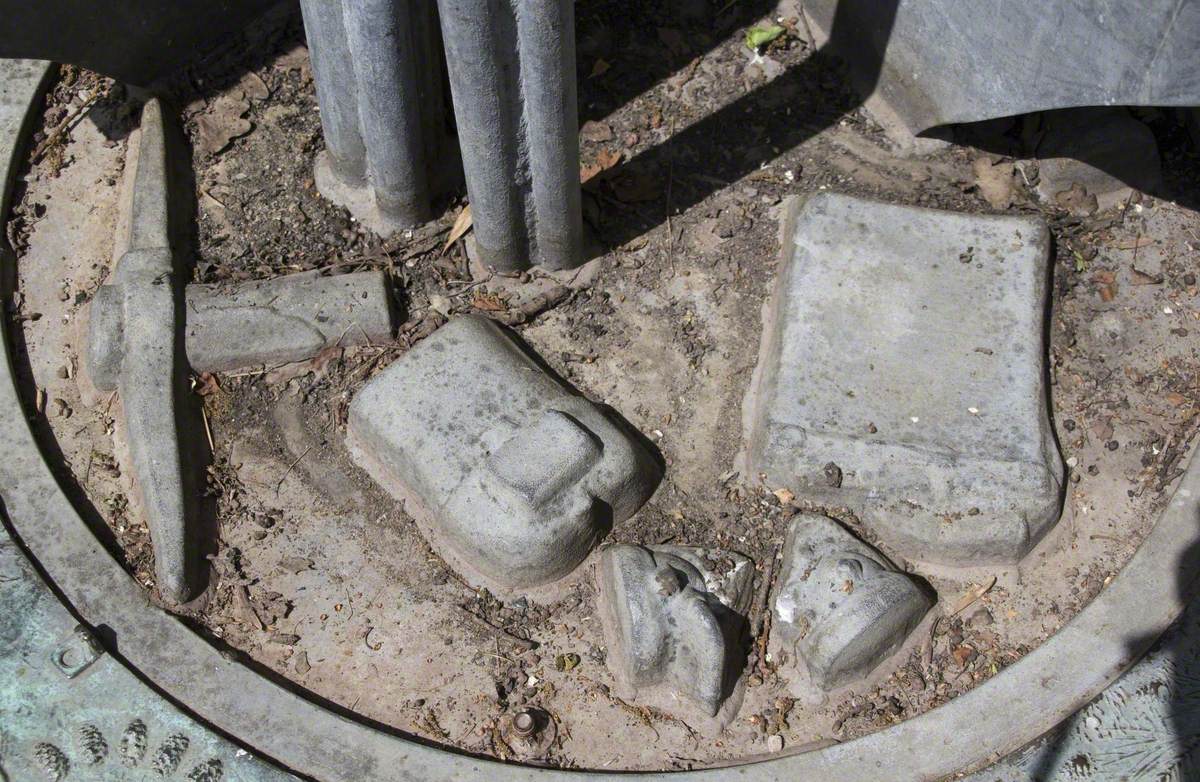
(149, 376)
(512, 476)
(264, 322)
(673, 619)
(902, 374)
(840, 606)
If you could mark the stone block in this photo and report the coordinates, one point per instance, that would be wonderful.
(902, 373)
(840, 606)
(229, 327)
(286, 319)
(674, 621)
(512, 476)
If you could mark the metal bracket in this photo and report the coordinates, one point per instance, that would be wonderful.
(77, 651)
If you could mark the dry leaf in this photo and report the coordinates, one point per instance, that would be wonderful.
(253, 87)
(785, 496)
(488, 302)
(296, 57)
(1144, 278)
(295, 564)
(599, 68)
(318, 365)
(605, 159)
(1177, 399)
(995, 182)
(462, 224)
(971, 595)
(593, 131)
(1106, 285)
(206, 384)
(221, 123)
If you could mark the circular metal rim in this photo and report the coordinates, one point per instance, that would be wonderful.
(1012, 709)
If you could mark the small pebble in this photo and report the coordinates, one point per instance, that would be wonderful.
(775, 743)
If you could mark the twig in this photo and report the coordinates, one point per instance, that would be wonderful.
(207, 429)
(249, 372)
(524, 644)
(290, 467)
(760, 603)
(62, 126)
(670, 182)
(762, 616)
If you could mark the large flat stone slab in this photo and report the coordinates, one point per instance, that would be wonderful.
(512, 476)
(902, 374)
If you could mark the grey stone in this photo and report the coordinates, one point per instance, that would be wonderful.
(674, 619)
(839, 604)
(1105, 151)
(905, 347)
(150, 376)
(512, 476)
(263, 322)
(943, 61)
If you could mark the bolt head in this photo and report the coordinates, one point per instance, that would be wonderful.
(524, 724)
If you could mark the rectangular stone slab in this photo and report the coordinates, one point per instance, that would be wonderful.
(289, 318)
(902, 373)
(250, 324)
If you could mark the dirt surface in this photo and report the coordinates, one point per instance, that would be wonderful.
(689, 144)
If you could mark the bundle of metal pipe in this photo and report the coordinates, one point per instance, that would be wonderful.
(377, 65)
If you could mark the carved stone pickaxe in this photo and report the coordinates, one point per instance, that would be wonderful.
(145, 324)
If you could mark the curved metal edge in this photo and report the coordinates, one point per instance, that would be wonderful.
(95, 696)
(1014, 708)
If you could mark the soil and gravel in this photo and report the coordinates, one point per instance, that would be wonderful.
(689, 142)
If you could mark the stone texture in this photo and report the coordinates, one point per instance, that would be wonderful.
(902, 374)
(840, 606)
(264, 322)
(673, 619)
(512, 476)
(150, 374)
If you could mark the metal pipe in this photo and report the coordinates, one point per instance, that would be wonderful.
(337, 89)
(382, 42)
(546, 37)
(512, 79)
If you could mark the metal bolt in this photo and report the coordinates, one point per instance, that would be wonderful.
(524, 724)
(76, 652)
